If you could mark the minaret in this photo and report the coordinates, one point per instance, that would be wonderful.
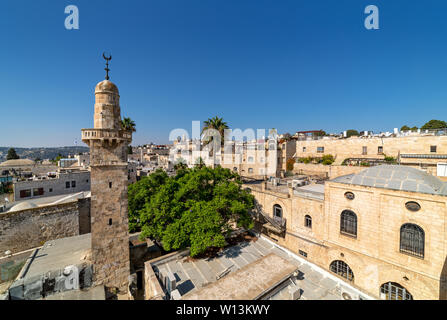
(108, 143)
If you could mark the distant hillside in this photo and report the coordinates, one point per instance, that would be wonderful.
(42, 153)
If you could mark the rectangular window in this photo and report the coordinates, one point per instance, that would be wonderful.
(73, 184)
(364, 150)
(302, 253)
(433, 149)
(380, 150)
(320, 149)
(304, 149)
(25, 193)
(37, 192)
(67, 184)
(50, 190)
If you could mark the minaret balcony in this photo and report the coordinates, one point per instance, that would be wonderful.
(106, 134)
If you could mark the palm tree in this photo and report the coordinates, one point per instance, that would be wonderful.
(217, 124)
(128, 124)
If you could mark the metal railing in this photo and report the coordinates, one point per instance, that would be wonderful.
(277, 222)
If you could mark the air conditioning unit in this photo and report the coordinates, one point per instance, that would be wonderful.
(298, 183)
(170, 282)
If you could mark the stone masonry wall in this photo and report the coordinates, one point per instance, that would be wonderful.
(26, 229)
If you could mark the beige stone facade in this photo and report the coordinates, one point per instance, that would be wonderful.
(374, 255)
(418, 149)
(109, 178)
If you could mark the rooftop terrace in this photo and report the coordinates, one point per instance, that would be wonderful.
(254, 269)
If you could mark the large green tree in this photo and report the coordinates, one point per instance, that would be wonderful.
(434, 124)
(352, 132)
(198, 208)
(12, 154)
(139, 193)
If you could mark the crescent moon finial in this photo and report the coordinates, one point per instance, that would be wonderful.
(107, 64)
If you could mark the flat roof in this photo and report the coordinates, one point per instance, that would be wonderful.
(247, 283)
(95, 293)
(194, 275)
(314, 191)
(58, 254)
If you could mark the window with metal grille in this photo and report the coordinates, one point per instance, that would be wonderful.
(342, 269)
(380, 150)
(308, 221)
(277, 211)
(394, 291)
(348, 223)
(412, 240)
(320, 149)
(432, 148)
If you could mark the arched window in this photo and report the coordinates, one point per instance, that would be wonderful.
(394, 291)
(308, 221)
(235, 169)
(412, 240)
(277, 211)
(348, 223)
(342, 269)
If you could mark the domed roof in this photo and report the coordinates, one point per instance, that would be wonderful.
(106, 86)
(397, 178)
(17, 162)
(23, 206)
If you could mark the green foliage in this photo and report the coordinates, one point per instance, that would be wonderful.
(139, 193)
(128, 124)
(352, 132)
(289, 164)
(365, 164)
(12, 155)
(390, 159)
(197, 208)
(129, 150)
(328, 159)
(320, 133)
(217, 124)
(199, 162)
(405, 128)
(56, 160)
(434, 124)
(414, 128)
(306, 160)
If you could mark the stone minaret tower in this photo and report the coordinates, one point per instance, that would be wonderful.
(108, 143)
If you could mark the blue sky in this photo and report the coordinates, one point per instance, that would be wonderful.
(290, 65)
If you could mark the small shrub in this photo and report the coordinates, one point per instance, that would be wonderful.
(328, 159)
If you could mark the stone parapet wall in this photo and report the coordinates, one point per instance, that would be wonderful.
(330, 171)
(31, 228)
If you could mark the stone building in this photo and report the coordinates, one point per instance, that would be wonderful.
(381, 230)
(108, 143)
(427, 151)
(65, 182)
(253, 159)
